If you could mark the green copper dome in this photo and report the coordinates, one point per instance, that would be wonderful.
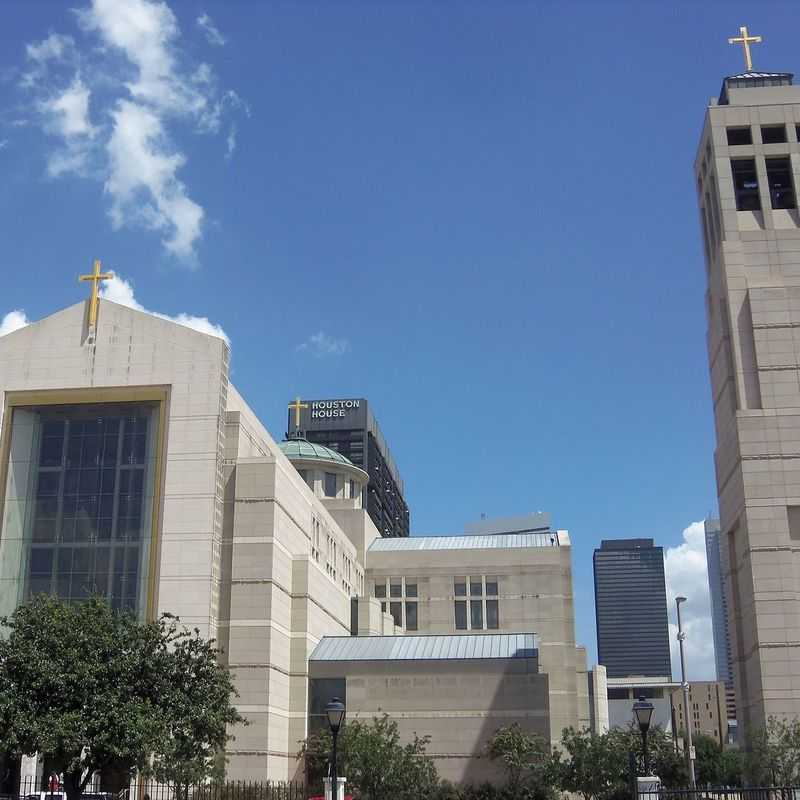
(302, 448)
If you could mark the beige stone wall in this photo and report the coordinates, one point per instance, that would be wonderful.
(535, 596)
(459, 704)
(134, 349)
(753, 309)
(708, 712)
(292, 572)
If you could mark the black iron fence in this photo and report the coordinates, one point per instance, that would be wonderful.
(33, 789)
(749, 793)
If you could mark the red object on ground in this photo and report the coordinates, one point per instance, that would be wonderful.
(322, 797)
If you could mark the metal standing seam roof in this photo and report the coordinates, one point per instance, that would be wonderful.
(425, 648)
(467, 542)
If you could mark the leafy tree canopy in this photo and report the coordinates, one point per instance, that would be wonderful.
(525, 757)
(374, 761)
(89, 688)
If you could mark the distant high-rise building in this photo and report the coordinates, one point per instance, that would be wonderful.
(630, 599)
(349, 427)
(747, 173)
(719, 614)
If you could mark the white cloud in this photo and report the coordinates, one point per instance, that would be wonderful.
(231, 142)
(67, 115)
(118, 290)
(13, 321)
(211, 31)
(53, 47)
(321, 345)
(687, 575)
(133, 75)
(70, 110)
(143, 181)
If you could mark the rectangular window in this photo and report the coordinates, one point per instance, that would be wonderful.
(330, 484)
(737, 136)
(491, 586)
(395, 587)
(460, 587)
(396, 610)
(90, 499)
(617, 694)
(411, 616)
(380, 590)
(383, 608)
(476, 615)
(773, 134)
(781, 185)
(492, 615)
(461, 615)
(745, 184)
(475, 586)
(411, 588)
(353, 490)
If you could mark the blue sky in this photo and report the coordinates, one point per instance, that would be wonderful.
(480, 216)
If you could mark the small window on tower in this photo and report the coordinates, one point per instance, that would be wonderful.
(745, 184)
(330, 484)
(773, 134)
(781, 186)
(737, 136)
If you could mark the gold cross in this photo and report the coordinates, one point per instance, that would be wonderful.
(297, 405)
(95, 278)
(744, 40)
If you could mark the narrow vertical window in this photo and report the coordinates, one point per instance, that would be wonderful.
(411, 616)
(781, 185)
(475, 586)
(476, 614)
(396, 610)
(461, 615)
(395, 587)
(460, 587)
(745, 184)
(492, 615)
(380, 590)
(330, 484)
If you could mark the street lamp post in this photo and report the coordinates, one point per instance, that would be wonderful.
(685, 688)
(335, 711)
(643, 711)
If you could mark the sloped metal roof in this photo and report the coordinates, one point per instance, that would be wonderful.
(425, 648)
(468, 542)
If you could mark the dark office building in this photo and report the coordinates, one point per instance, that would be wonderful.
(630, 601)
(349, 427)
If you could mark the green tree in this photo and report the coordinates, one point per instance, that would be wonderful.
(774, 756)
(375, 763)
(525, 757)
(91, 688)
(593, 768)
(715, 766)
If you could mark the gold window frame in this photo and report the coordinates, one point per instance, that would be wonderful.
(93, 395)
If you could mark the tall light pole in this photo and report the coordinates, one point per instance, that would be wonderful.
(335, 711)
(643, 711)
(685, 688)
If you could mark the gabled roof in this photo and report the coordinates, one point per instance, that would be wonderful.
(425, 648)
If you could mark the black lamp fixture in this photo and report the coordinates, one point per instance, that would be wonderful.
(643, 711)
(335, 711)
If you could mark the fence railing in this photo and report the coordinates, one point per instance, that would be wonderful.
(33, 789)
(748, 793)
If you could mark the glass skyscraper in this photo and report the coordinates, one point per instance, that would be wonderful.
(631, 608)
